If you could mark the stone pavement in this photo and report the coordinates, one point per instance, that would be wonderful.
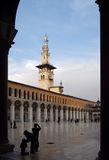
(63, 141)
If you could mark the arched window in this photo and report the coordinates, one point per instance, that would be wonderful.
(24, 94)
(32, 95)
(36, 96)
(19, 93)
(15, 92)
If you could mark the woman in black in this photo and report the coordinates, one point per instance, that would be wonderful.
(35, 131)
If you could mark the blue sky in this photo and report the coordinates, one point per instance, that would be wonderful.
(72, 27)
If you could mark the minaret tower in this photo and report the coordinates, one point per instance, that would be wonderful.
(46, 70)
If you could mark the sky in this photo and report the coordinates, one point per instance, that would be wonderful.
(73, 31)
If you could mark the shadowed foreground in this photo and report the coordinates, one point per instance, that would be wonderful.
(63, 141)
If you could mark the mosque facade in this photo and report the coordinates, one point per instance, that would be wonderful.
(46, 102)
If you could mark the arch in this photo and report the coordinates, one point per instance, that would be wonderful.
(54, 112)
(48, 112)
(17, 110)
(26, 106)
(59, 114)
(43, 76)
(42, 107)
(64, 113)
(34, 107)
(17, 103)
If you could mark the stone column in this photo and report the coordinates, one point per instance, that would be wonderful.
(45, 113)
(56, 114)
(87, 115)
(7, 33)
(83, 115)
(51, 114)
(4, 48)
(30, 111)
(39, 114)
(22, 113)
(80, 114)
(104, 62)
(67, 114)
(77, 113)
(70, 114)
(12, 112)
(61, 113)
(74, 114)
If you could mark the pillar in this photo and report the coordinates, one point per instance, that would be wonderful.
(74, 114)
(51, 114)
(45, 113)
(12, 112)
(67, 114)
(39, 114)
(22, 113)
(104, 82)
(77, 114)
(80, 114)
(7, 33)
(56, 113)
(30, 111)
(70, 114)
(61, 113)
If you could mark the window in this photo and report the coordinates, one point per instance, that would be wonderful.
(19, 93)
(36, 96)
(24, 94)
(15, 92)
(32, 95)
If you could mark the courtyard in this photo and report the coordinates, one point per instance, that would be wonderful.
(58, 141)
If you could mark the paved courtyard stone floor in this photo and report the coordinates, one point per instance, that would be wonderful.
(58, 141)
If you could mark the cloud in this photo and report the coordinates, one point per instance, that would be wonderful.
(23, 72)
(80, 77)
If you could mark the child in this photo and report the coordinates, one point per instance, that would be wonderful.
(23, 146)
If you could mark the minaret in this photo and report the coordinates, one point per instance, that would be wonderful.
(46, 70)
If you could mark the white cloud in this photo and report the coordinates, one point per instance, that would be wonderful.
(23, 72)
(80, 77)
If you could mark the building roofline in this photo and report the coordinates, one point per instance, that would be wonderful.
(51, 91)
